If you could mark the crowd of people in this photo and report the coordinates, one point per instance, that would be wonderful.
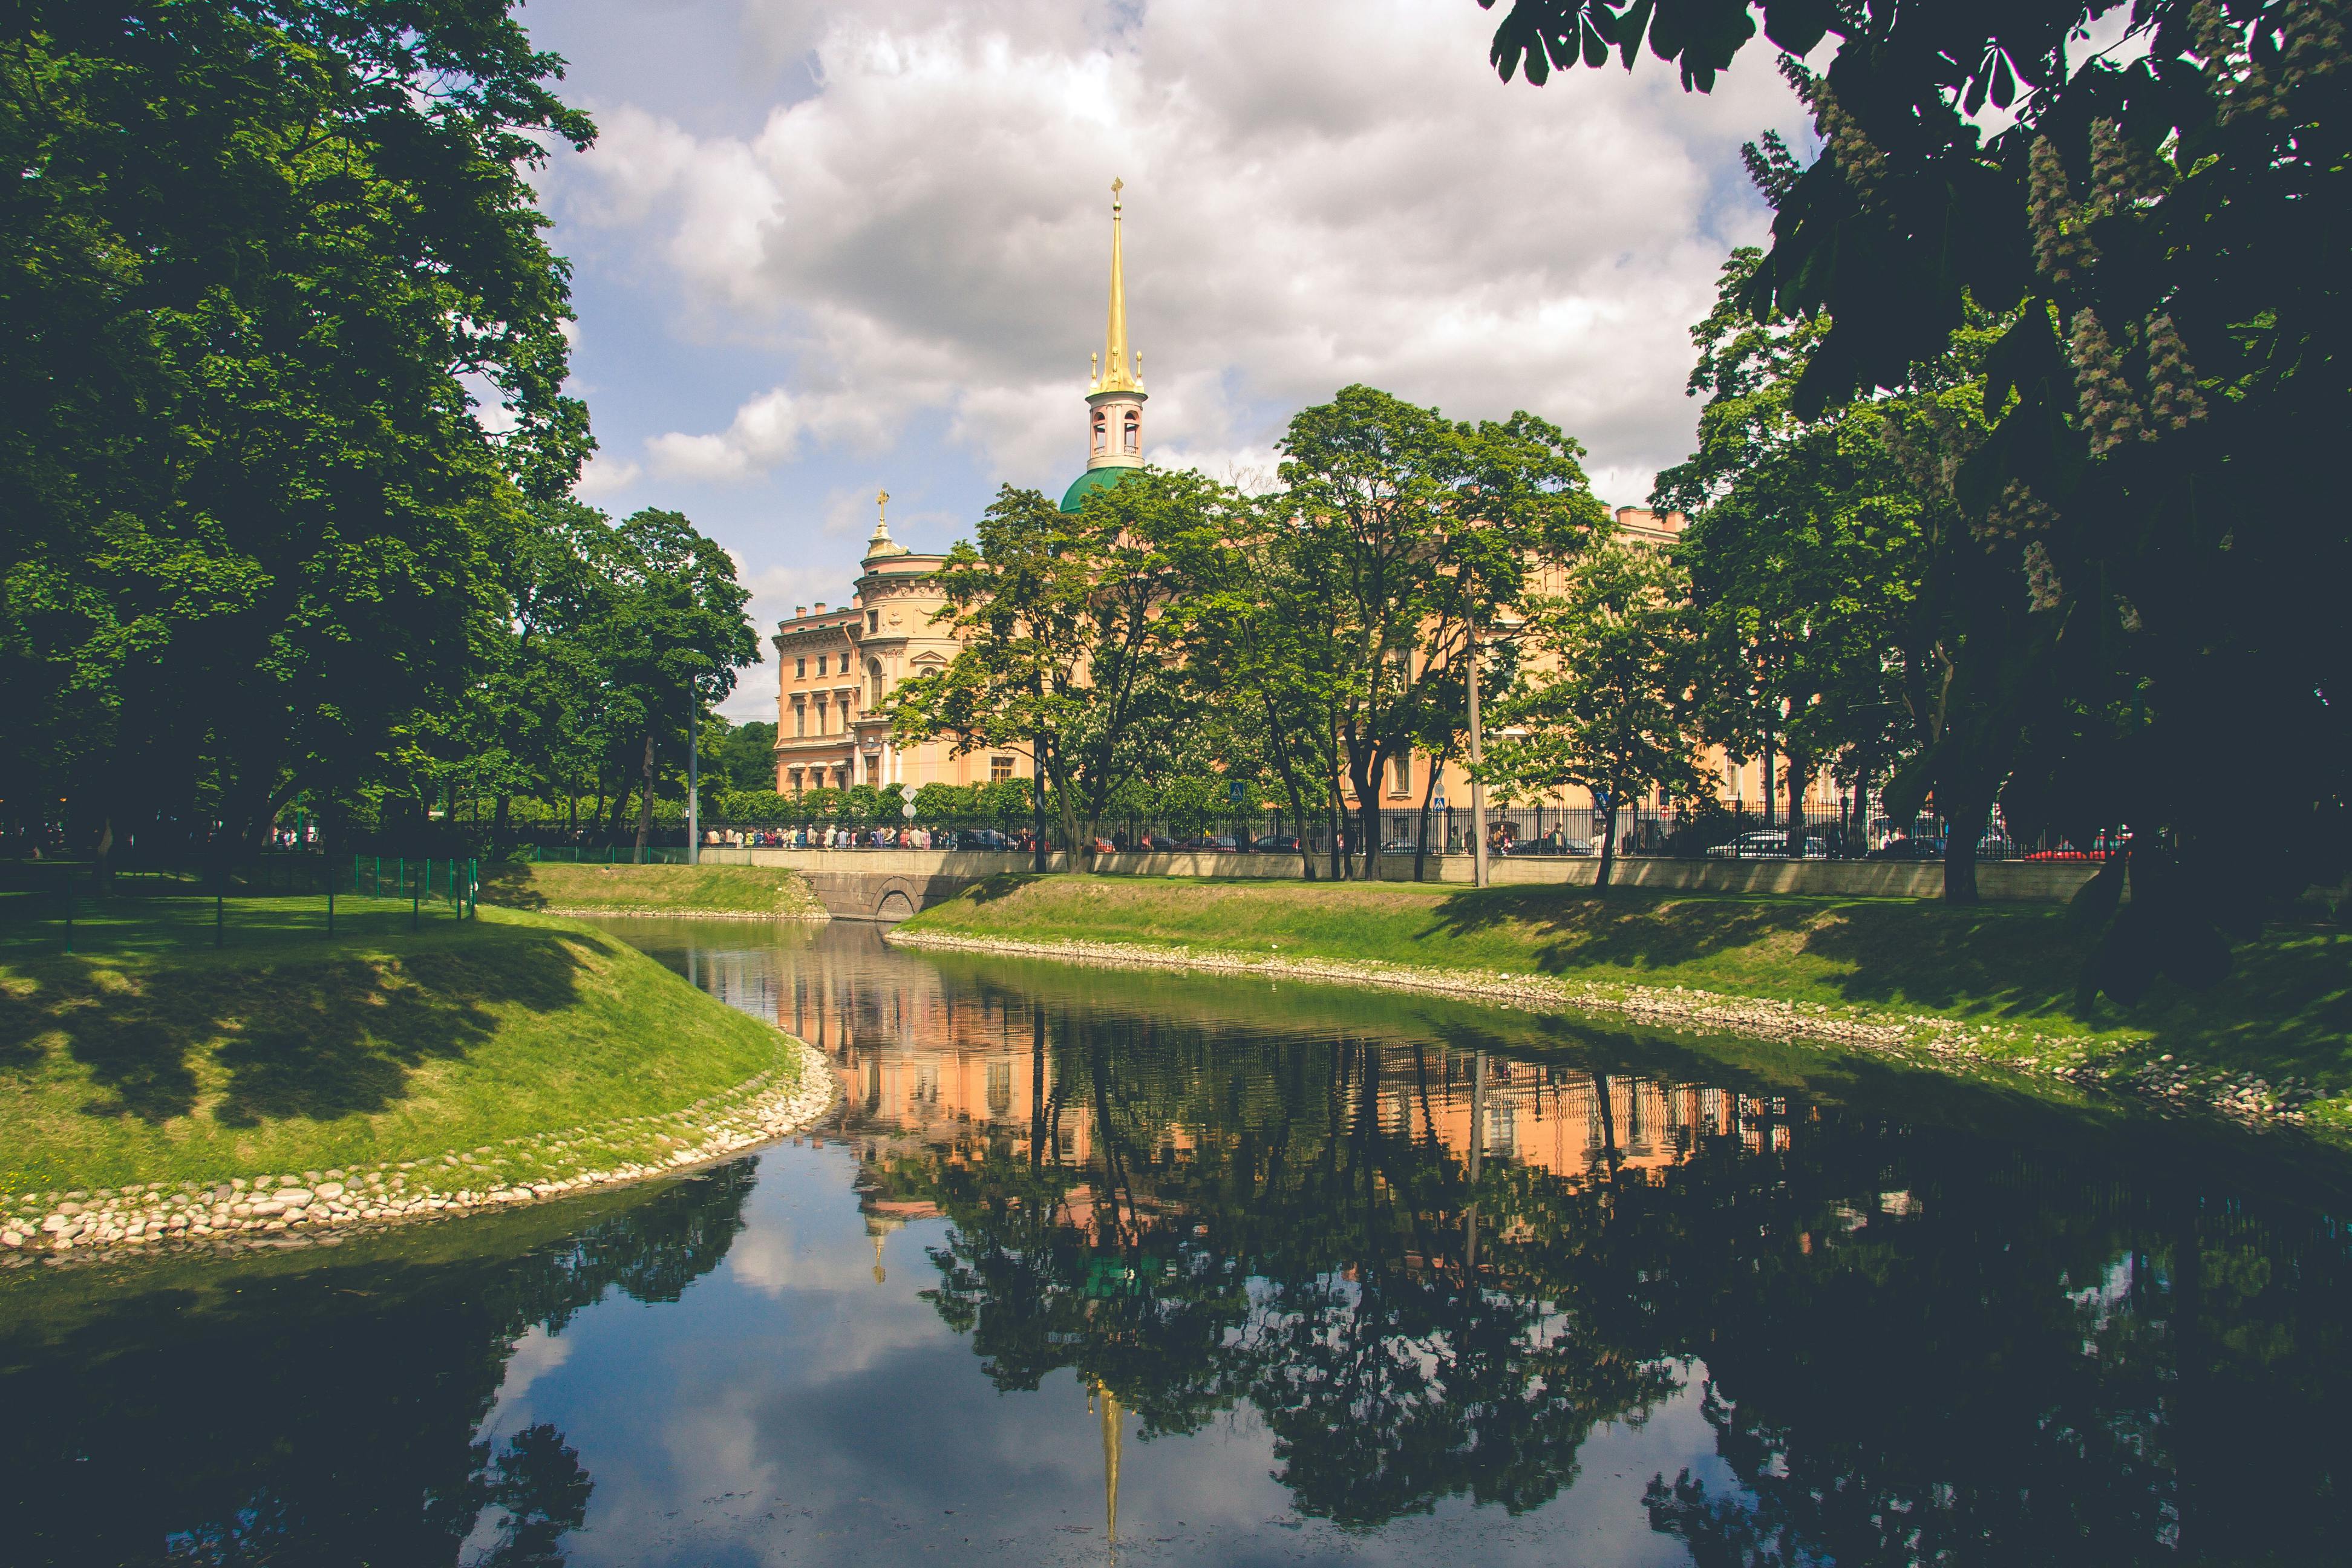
(832, 837)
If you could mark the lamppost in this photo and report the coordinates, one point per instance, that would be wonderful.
(1477, 785)
(693, 778)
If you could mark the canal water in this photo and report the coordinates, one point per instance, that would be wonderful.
(1092, 1266)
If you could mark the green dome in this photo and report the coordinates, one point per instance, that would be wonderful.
(1093, 479)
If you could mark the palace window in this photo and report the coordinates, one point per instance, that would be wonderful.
(1000, 770)
(1400, 774)
(800, 669)
(800, 718)
(873, 621)
(819, 713)
(796, 781)
(874, 670)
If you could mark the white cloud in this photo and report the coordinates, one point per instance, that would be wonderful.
(602, 476)
(1319, 192)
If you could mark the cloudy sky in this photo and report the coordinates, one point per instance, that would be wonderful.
(823, 248)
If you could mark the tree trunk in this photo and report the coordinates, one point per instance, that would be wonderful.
(105, 854)
(1421, 835)
(1284, 760)
(498, 825)
(1797, 809)
(1608, 843)
(1967, 824)
(1036, 1084)
(645, 798)
(1336, 817)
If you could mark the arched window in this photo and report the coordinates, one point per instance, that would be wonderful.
(874, 669)
(1134, 437)
(1102, 432)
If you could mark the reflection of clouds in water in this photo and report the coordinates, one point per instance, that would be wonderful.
(771, 1259)
(534, 1355)
(797, 1410)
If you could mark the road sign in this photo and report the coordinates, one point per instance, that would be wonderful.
(1236, 791)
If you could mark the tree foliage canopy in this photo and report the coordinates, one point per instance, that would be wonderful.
(262, 257)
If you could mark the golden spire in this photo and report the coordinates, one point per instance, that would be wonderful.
(1121, 372)
(1111, 1433)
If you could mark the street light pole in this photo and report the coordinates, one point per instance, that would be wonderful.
(1037, 798)
(693, 779)
(1477, 785)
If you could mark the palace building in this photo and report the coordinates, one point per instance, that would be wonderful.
(840, 665)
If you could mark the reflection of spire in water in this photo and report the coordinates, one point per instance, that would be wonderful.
(1102, 1398)
(878, 1226)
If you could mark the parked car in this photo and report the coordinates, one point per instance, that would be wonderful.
(1157, 843)
(1213, 844)
(1765, 846)
(1907, 848)
(984, 838)
(1101, 845)
(1276, 844)
(2101, 847)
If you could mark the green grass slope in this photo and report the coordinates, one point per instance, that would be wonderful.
(2286, 1009)
(765, 891)
(155, 1058)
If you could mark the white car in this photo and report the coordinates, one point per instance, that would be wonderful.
(1770, 845)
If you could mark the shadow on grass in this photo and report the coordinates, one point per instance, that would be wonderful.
(335, 1035)
(509, 886)
(1003, 885)
(2288, 1000)
(2002, 960)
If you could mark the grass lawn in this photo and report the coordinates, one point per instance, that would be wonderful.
(148, 1056)
(2287, 1008)
(767, 891)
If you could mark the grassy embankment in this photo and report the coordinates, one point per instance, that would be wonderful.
(2009, 972)
(519, 1044)
(726, 892)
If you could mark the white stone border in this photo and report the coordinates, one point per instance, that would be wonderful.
(1950, 1042)
(237, 1215)
(817, 916)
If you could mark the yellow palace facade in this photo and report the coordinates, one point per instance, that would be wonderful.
(840, 664)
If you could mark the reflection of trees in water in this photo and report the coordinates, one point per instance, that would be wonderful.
(329, 1416)
(1920, 1347)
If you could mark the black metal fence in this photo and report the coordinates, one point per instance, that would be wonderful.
(136, 896)
(1711, 832)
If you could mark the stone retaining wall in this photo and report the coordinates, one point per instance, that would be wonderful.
(323, 1207)
(887, 884)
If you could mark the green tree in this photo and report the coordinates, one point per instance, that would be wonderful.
(2155, 492)
(671, 641)
(1416, 532)
(1262, 651)
(1069, 625)
(254, 249)
(747, 755)
(1603, 702)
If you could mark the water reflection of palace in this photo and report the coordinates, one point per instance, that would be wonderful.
(937, 1067)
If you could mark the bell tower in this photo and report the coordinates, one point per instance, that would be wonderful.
(1115, 394)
